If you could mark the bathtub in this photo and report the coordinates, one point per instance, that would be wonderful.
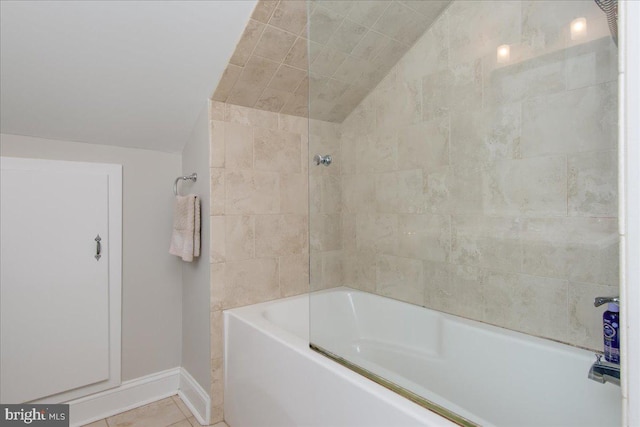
(488, 375)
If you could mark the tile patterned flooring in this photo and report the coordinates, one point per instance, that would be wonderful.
(169, 412)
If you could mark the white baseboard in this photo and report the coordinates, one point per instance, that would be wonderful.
(129, 395)
(194, 396)
(141, 391)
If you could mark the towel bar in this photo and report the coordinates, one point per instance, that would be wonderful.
(193, 177)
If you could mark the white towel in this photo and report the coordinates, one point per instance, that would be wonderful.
(185, 239)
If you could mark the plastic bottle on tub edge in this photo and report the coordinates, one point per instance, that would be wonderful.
(611, 329)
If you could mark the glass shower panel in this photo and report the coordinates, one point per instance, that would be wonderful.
(473, 173)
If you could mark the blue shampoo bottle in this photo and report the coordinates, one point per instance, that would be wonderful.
(611, 329)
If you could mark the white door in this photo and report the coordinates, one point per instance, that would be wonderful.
(54, 291)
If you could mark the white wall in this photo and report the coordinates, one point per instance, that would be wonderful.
(151, 282)
(196, 353)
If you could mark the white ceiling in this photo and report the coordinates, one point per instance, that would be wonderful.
(125, 73)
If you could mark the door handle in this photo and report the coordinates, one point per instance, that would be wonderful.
(98, 247)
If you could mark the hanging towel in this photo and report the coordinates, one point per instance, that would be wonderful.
(185, 239)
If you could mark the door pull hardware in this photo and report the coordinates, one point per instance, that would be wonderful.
(98, 247)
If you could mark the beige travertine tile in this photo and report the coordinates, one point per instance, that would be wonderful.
(585, 320)
(530, 304)
(401, 23)
(217, 389)
(240, 237)
(367, 12)
(272, 100)
(480, 139)
(325, 64)
(323, 23)
(593, 184)
(424, 145)
(100, 423)
(252, 192)
(250, 281)
(217, 272)
(227, 82)
(217, 335)
(347, 36)
(274, 44)
(217, 136)
(280, 235)
(461, 294)
(488, 242)
(216, 110)
(551, 124)
(287, 78)
(218, 240)
(251, 117)
(246, 93)
(425, 236)
(277, 151)
(264, 9)
(217, 200)
(183, 423)
(293, 124)
(400, 278)
(220, 424)
(325, 232)
(377, 233)
(332, 269)
(187, 413)
(294, 274)
(250, 37)
(377, 152)
(290, 16)
(297, 105)
(238, 141)
(400, 192)
(294, 193)
(297, 56)
(533, 187)
(578, 249)
(157, 414)
(358, 193)
(370, 46)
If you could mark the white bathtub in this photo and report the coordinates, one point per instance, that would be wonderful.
(489, 375)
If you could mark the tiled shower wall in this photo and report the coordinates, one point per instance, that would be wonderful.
(259, 214)
(483, 189)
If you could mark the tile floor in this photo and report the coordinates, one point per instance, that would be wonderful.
(169, 412)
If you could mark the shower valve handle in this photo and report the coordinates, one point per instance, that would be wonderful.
(325, 160)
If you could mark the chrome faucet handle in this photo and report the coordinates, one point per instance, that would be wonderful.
(603, 300)
(599, 358)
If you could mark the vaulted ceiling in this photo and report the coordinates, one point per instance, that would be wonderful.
(352, 46)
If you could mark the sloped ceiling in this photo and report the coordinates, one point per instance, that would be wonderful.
(125, 73)
(353, 45)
